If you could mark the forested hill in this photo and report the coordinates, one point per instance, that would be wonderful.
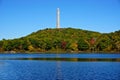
(63, 39)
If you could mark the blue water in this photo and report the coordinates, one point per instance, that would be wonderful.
(66, 55)
(31, 69)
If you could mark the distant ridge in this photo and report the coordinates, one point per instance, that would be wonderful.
(64, 39)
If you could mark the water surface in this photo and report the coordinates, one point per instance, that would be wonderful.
(60, 66)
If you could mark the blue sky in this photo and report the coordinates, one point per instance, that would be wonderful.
(21, 17)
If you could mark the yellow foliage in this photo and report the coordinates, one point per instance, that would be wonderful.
(31, 48)
(74, 46)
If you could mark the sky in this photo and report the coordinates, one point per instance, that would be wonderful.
(19, 18)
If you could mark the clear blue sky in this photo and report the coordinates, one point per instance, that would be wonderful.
(21, 17)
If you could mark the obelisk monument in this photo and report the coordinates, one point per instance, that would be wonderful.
(58, 18)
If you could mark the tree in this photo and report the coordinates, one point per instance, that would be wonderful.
(1, 44)
(82, 45)
(74, 46)
(31, 48)
(104, 43)
(63, 44)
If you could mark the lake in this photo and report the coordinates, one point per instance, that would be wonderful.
(66, 66)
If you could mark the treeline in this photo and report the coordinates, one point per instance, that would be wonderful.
(63, 39)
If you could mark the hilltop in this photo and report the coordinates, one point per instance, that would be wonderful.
(63, 39)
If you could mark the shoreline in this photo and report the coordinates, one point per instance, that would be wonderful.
(60, 52)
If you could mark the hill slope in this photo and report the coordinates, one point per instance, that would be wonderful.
(64, 39)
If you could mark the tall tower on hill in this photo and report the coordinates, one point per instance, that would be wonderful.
(58, 18)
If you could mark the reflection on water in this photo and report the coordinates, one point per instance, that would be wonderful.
(58, 70)
(59, 67)
(63, 57)
(68, 59)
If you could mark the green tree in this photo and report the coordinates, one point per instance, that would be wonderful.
(104, 43)
(82, 45)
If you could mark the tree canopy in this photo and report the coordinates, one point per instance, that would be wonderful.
(63, 39)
